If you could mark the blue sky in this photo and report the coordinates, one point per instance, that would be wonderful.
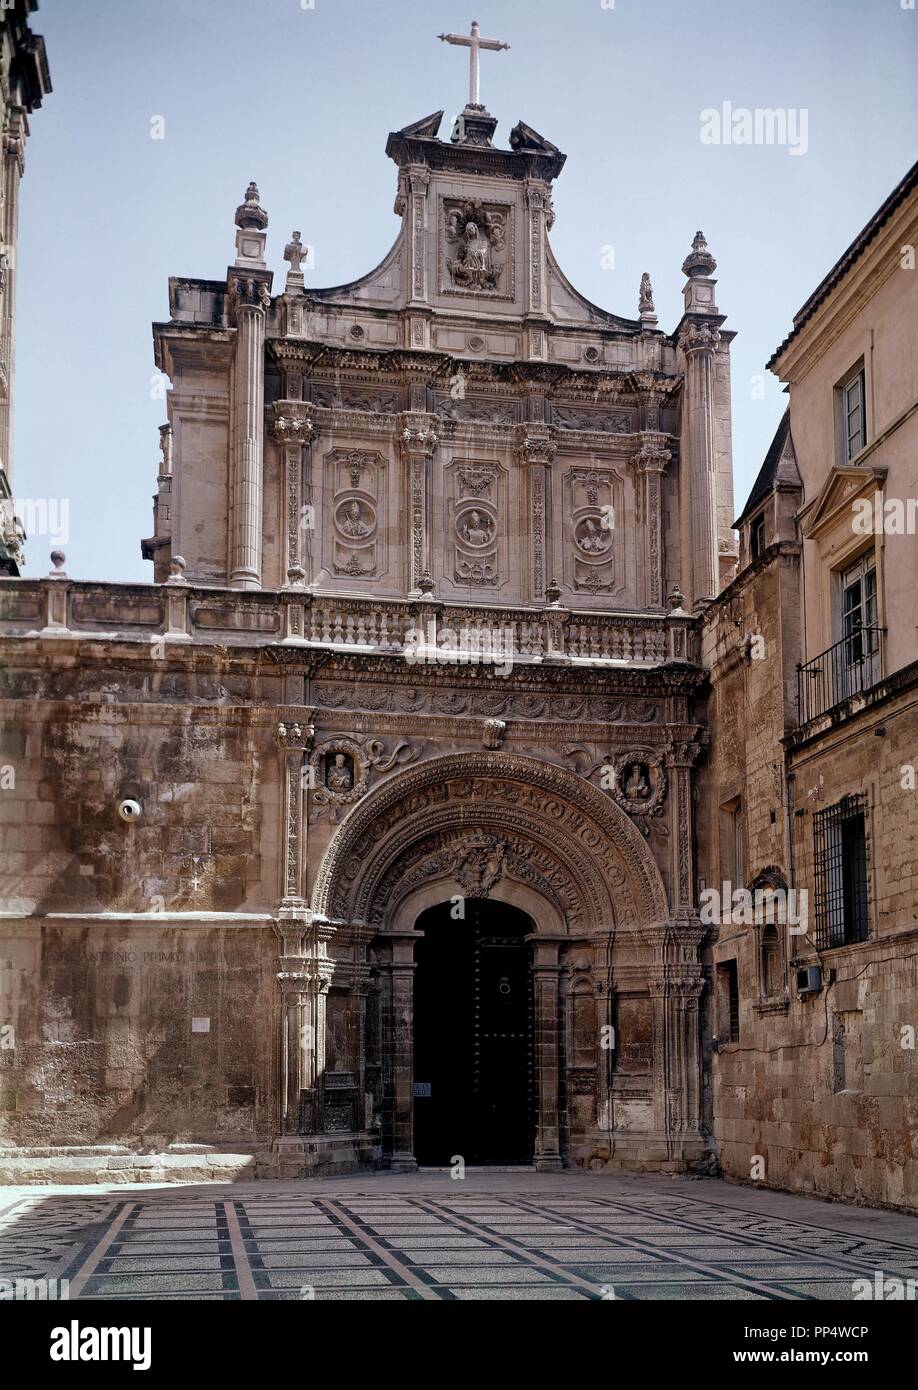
(302, 99)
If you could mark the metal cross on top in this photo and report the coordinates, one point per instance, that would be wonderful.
(474, 42)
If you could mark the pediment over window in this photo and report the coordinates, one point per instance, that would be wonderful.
(842, 488)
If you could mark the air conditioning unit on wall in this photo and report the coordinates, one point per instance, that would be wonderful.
(809, 981)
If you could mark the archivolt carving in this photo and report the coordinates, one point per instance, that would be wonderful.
(547, 816)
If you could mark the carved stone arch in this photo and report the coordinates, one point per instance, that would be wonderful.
(551, 806)
(436, 848)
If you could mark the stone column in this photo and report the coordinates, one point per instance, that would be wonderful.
(303, 968)
(304, 977)
(651, 463)
(698, 343)
(13, 162)
(250, 297)
(419, 440)
(401, 1044)
(295, 432)
(537, 452)
(675, 990)
(677, 977)
(545, 979)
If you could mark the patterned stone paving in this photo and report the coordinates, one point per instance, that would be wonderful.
(517, 1235)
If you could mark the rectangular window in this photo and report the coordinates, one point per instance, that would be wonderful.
(728, 989)
(840, 851)
(757, 535)
(857, 666)
(853, 415)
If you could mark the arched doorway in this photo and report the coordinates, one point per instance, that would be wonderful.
(474, 1053)
(612, 959)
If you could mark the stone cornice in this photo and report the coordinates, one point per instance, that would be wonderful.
(439, 368)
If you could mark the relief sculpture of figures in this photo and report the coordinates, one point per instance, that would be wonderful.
(477, 530)
(352, 522)
(478, 232)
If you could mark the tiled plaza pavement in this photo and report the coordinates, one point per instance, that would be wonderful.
(508, 1235)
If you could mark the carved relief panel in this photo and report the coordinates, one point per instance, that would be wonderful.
(593, 540)
(355, 525)
(476, 248)
(475, 525)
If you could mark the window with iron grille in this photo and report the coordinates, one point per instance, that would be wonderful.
(840, 849)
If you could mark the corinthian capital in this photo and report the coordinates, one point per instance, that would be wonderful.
(418, 435)
(698, 337)
(292, 423)
(536, 448)
(249, 292)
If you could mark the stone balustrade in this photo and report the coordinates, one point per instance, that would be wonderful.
(58, 607)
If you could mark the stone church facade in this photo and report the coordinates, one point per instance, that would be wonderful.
(373, 831)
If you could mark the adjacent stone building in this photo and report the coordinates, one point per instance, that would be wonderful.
(811, 785)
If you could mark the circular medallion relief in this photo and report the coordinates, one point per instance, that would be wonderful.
(355, 519)
(592, 537)
(475, 527)
(640, 782)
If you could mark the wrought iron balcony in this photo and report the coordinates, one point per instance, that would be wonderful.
(847, 668)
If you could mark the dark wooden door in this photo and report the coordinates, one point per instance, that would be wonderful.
(473, 1020)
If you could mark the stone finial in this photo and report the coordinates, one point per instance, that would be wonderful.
(251, 221)
(553, 591)
(699, 261)
(250, 213)
(676, 599)
(57, 559)
(295, 253)
(646, 310)
(425, 583)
